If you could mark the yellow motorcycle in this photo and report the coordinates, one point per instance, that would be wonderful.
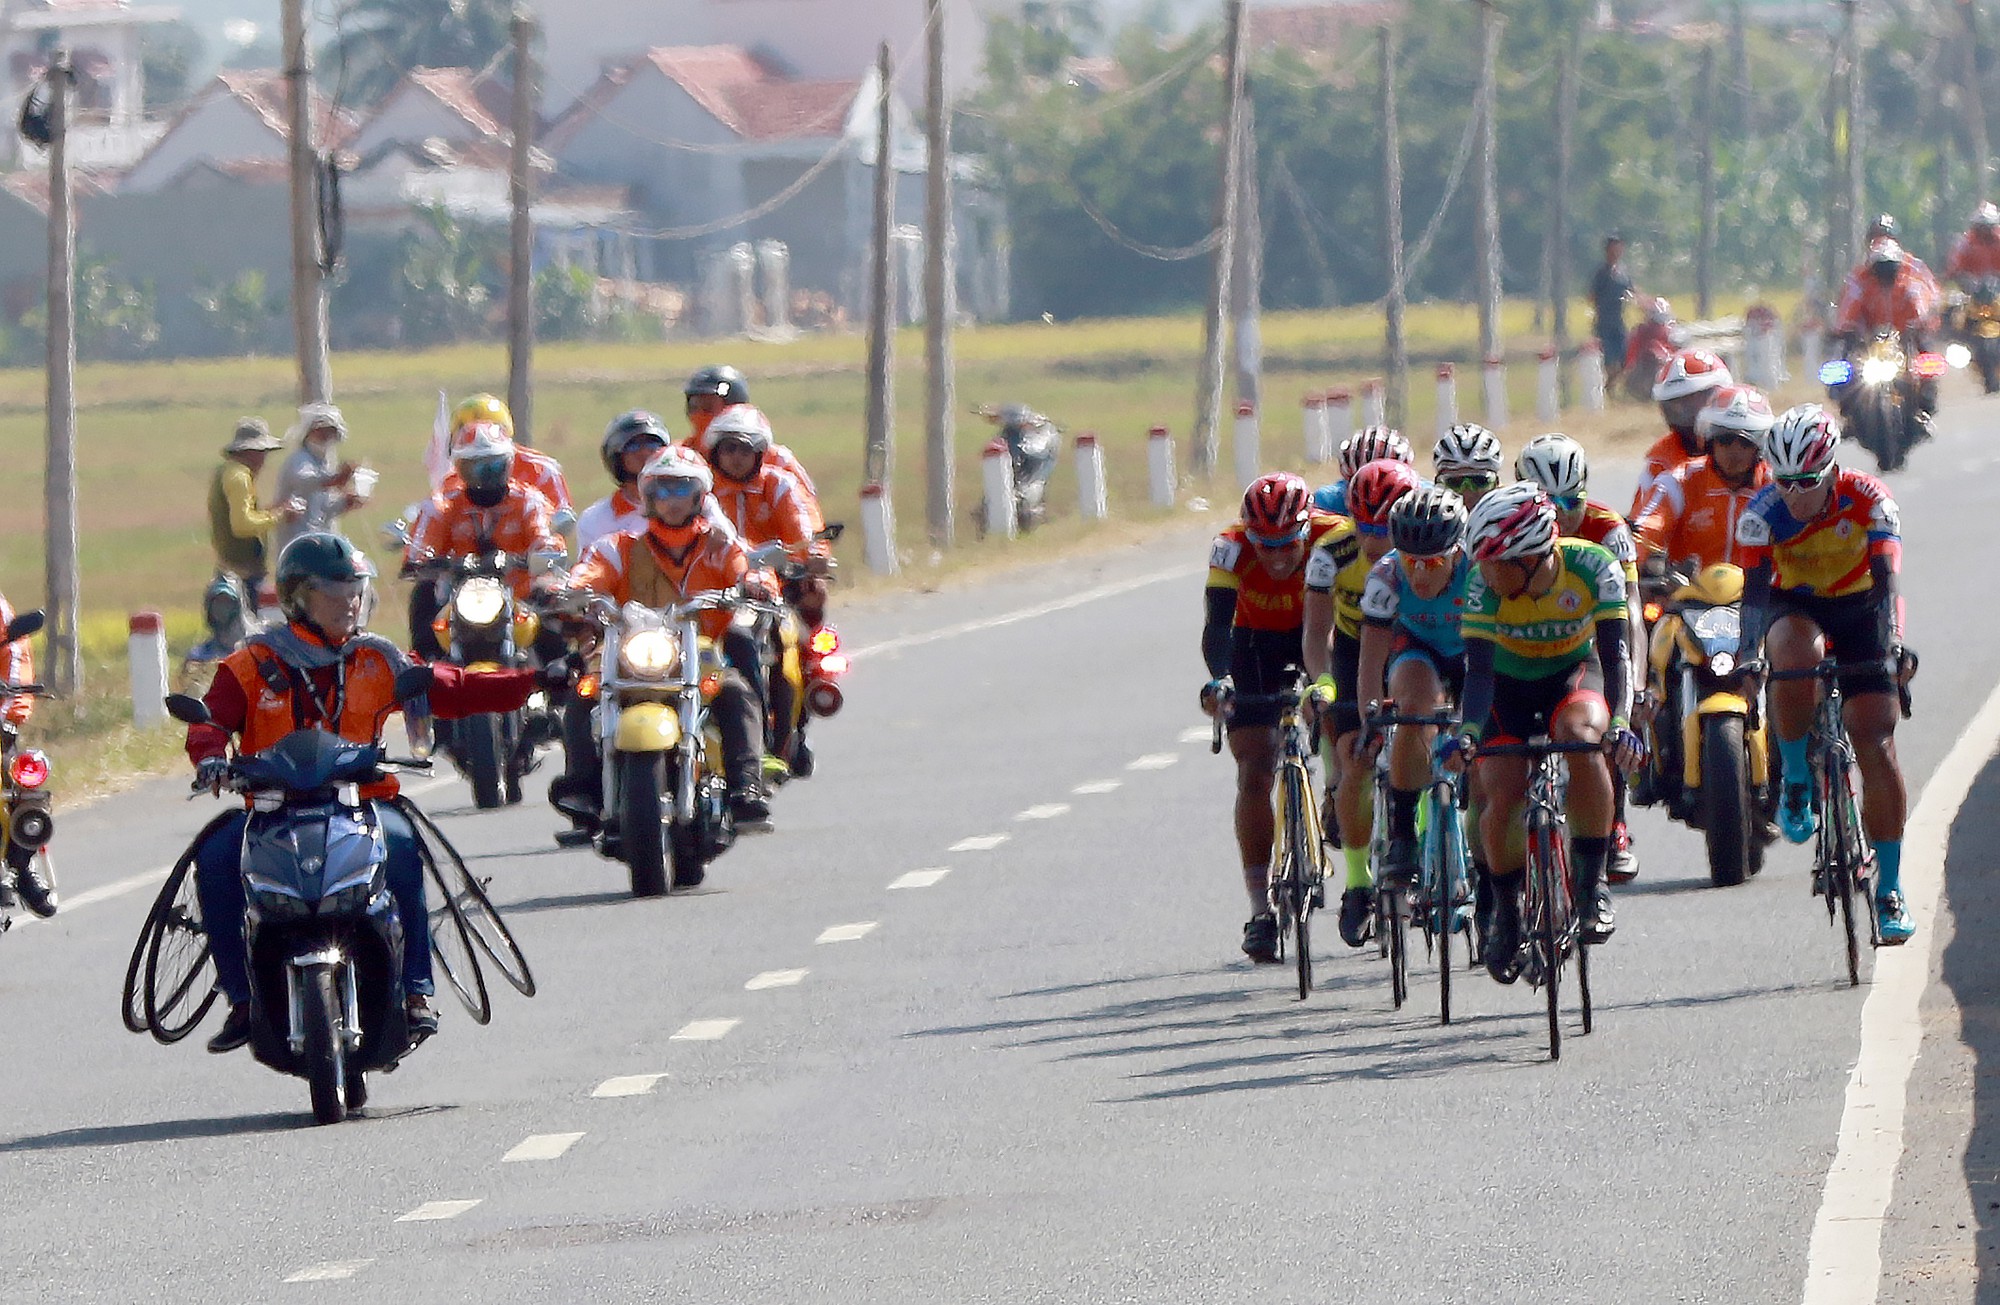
(1710, 759)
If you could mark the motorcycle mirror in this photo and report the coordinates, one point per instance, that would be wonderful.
(25, 624)
(414, 682)
(767, 555)
(834, 530)
(187, 709)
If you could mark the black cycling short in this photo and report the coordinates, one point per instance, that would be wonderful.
(1857, 634)
(1258, 661)
(1347, 702)
(1450, 670)
(1523, 708)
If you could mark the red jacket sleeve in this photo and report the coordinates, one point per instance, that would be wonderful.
(228, 709)
(456, 692)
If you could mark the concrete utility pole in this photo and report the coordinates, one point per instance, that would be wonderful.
(1704, 259)
(1208, 386)
(1974, 100)
(1560, 243)
(1246, 278)
(878, 459)
(940, 297)
(64, 575)
(521, 235)
(1739, 68)
(1487, 247)
(1395, 344)
(308, 281)
(1850, 159)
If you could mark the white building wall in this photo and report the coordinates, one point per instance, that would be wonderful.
(221, 127)
(411, 115)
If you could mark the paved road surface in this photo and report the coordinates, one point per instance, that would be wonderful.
(973, 1026)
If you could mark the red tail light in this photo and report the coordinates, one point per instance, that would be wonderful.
(30, 769)
(586, 686)
(825, 640)
(1930, 365)
(1653, 611)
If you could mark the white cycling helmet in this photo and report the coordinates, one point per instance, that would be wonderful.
(1372, 443)
(1556, 463)
(739, 421)
(675, 463)
(1802, 441)
(1736, 410)
(1691, 371)
(1514, 522)
(1467, 446)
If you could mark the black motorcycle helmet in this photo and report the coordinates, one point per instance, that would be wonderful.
(1883, 225)
(618, 436)
(318, 558)
(723, 381)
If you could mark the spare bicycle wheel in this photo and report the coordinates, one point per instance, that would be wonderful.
(180, 985)
(453, 880)
(452, 949)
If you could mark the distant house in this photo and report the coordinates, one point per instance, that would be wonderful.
(703, 134)
(455, 105)
(104, 39)
(239, 117)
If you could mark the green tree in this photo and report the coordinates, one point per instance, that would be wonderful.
(241, 310)
(380, 40)
(446, 278)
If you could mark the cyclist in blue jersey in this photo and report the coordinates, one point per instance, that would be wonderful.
(1356, 452)
(1410, 614)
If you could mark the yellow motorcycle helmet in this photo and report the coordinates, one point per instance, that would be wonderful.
(482, 407)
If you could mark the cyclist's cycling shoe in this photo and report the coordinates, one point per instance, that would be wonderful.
(1260, 939)
(1357, 916)
(1599, 920)
(235, 1030)
(1795, 814)
(1399, 863)
(1893, 921)
(1502, 953)
(1624, 866)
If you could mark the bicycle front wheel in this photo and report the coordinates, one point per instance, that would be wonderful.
(1545, 877)
(1396, 918)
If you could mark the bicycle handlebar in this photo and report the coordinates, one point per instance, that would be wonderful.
(1538, 748)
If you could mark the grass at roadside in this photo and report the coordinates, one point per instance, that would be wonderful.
(149, 434)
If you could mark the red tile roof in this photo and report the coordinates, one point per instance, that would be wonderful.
(752, 99)
(263, 90)
(32, 185)
(459, 90)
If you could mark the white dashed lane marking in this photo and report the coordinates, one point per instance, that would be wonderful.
(542, 1146)
(1096, 786)
(1197, 734)
(1154, 761)
(840, 933)
(978, 843)
(775, 979)
(627, 1085)
(704, 1030)
(330, 1271)
(430, 1210)
(1046, 811)
(921, 878)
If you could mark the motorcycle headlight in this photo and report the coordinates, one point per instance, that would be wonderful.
(1880, 371)
(480, 600)
(1722, 663)
(650, 655)
(1957, 355)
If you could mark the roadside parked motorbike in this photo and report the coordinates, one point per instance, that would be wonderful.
(1033, 445)
(325, 942)
(27, 818)
(1877, 392)
(1709, 760)
(481, 625)
(806, 656)
(665, 798)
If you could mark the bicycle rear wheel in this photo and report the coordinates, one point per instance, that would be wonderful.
(1302, 944)
(1842, 831)
(1396, 918)
(1547, 919)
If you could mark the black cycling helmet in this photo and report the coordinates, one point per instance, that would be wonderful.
(624, 428)
(1883, 225)
(1427, 521)
(724, 381)
(318, 558)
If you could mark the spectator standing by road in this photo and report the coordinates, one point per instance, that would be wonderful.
(315, 479)
(1610, 287)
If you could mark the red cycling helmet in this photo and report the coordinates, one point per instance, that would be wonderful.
(1275, 508)
(1374, 489)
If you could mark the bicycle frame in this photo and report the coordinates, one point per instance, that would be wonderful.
(1843, 861)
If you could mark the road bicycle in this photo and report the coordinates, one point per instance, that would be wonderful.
(1298, 857)
(1441, 899)
(1552, 926)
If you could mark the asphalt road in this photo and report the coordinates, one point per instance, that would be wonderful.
(972, 1025)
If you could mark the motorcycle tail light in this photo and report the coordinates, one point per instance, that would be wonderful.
(1838, 371)
(586, 686)
(1653, 613)
(30, 769)
(826, 641)
(833, 664)
(1930, 365)
(711, 684)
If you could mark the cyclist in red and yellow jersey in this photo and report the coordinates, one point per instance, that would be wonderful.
(1823, 546)
(1255, 603)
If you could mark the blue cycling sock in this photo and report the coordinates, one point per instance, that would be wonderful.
(1792, 760)
(1889, 866)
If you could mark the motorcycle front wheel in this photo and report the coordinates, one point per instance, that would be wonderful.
(1727, 813)
(485, 759)
(642, 821)
(326, 1054)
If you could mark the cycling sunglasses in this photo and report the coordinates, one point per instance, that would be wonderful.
(1427, 565)
(1466, 484)
(1800, 484)
(1273, 541)
(1717, 441)
(1570, 503)
(665, 489)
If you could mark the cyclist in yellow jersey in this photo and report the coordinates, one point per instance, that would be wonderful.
(1545, 641)
(1336, 575)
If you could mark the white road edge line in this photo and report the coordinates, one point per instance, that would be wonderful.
(541, 1146)
(628, 1085)
(1844, 1264)
(704, 1031)
(841, 933)
(1023, 614)
(775, 979)
(101, 893)
(431, 1210)
(330, 1271)
(921, 878)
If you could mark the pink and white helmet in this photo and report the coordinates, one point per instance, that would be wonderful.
(1372, 443)
(1802, 442)
(1514, 522)
(1691, 371)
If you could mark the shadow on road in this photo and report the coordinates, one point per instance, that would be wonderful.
(566, 901)
(185, 1130)
(1972, 884)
